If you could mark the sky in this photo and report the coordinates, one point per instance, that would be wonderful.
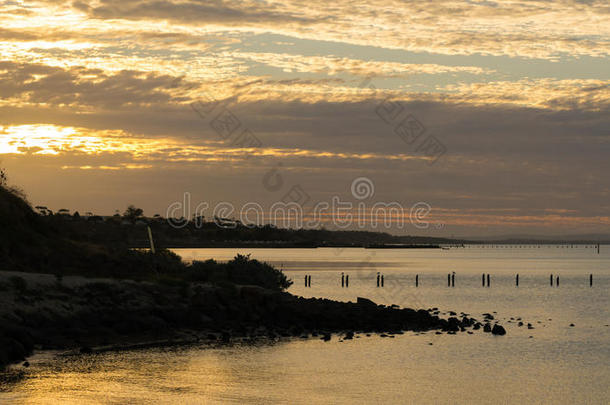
(494, 115)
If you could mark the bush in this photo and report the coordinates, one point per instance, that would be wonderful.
(241, 270)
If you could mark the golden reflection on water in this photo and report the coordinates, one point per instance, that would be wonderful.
(128, 377)
(557, 364)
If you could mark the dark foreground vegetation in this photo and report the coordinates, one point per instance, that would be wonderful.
(63, 291)
(91, 315)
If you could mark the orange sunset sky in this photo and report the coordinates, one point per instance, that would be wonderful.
(96, 106)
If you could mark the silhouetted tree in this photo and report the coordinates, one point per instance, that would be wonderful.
(132, 213)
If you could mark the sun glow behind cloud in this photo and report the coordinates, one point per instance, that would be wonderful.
(43, 139)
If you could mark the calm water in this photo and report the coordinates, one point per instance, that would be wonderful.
(552, 363)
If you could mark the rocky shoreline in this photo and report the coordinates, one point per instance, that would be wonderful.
(41, 311)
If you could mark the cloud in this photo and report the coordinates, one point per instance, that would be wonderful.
(335, 65)
(96, 95)
(82, 88)
(535, 29)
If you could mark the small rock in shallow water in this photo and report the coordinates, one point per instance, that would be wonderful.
(487, 328)
(572, 325)
(26, 364)
(326, 337)
(520, 323)
(498, 330)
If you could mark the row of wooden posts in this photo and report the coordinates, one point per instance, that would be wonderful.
(485, 280)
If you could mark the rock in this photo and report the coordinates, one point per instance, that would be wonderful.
(326, 337)
(365, 302)
(520, 323)
(529, 326)
(349, 335)
(452, 313)
(476, 326)
(487, 328)
(572, 325)
(26, 364)
(498, 330)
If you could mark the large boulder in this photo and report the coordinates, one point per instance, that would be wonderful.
(498, 330)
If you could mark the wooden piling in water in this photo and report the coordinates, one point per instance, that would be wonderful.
(448, 280)
(517, 280)
(305, 280)
(453, 280)
(342, 280)
(346, 280)
(378, 278)
(417, 280)
(551, 280)
(557, 281)
(382, 280)
(483, 280)
(488, 280)
(590, 280)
